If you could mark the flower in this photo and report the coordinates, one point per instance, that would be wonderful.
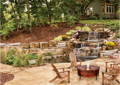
(110, 43)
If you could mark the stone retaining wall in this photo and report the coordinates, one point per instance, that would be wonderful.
(56, 48)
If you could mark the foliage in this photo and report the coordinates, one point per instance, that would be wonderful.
(93, 17)
(59, 38)
(65, 37)
(104, 22)
(78, 28)
(71, 20)
(7, 28)
(31, 56)
(118, 34)
(113, 25)
(70, 32)
(118, 13)
(17, 61)
(62, 38)
(10, 57)
(48, 54)
(40, 60)
(86, 28)
(23, 14)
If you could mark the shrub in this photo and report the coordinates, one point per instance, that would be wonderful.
(31, 56)
(17, 61)
(62, 38)
(118, 13)
(65, 37)
(9, 58)
(8, 27)
(86, 28)
(71, 19)
(71, 32)
(59, 38)
(78, 28)
(93, 17)
(112, 25)
(48, 54)
(118, 34)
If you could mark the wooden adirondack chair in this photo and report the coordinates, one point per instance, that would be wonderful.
(112, 66)
(61, 74)
(111, 73)
(107, 78)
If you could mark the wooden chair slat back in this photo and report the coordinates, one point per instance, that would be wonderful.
(56, 70)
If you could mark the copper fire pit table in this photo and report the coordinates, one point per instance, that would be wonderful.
(83, 71)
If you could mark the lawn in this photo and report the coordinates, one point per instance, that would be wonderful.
(99, 21)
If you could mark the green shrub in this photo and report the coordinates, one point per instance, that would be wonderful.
(93, 17)
(25, 22)
(31, 56)
(71, 19)
(86, 28)
(9, 58)
(62, 38)
(71, 32)
(114, 26)
(17, 62)
(65, 37)
(118, 13)
(78, 28)
(48, 54)
(59, 38)
(118, 34)
(8, 27)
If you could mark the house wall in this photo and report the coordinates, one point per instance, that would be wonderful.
(96, 5)
(99, 9)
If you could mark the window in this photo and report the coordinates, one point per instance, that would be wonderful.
(109, 9)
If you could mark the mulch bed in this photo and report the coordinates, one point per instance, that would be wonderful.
(40, 34)
(5, 77)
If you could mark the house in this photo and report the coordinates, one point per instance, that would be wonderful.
(103, 8)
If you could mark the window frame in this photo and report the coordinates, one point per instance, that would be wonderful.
(109, 9)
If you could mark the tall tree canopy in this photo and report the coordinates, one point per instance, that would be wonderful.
(17, 14)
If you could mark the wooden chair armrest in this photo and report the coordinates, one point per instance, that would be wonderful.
(64, 67)
(64, 71)
(118, 81)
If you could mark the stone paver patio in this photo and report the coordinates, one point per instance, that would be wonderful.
(43, 74)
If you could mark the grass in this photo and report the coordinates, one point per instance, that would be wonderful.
(99, 21)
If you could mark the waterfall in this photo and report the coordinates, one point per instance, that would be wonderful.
(89, 51)
(93, 36)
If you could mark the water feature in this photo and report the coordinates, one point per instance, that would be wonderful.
(88, 49)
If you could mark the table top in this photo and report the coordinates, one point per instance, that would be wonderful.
(84, 67)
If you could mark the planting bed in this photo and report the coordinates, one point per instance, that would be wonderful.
(5, 77)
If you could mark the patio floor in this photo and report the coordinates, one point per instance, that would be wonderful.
(43, 74)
